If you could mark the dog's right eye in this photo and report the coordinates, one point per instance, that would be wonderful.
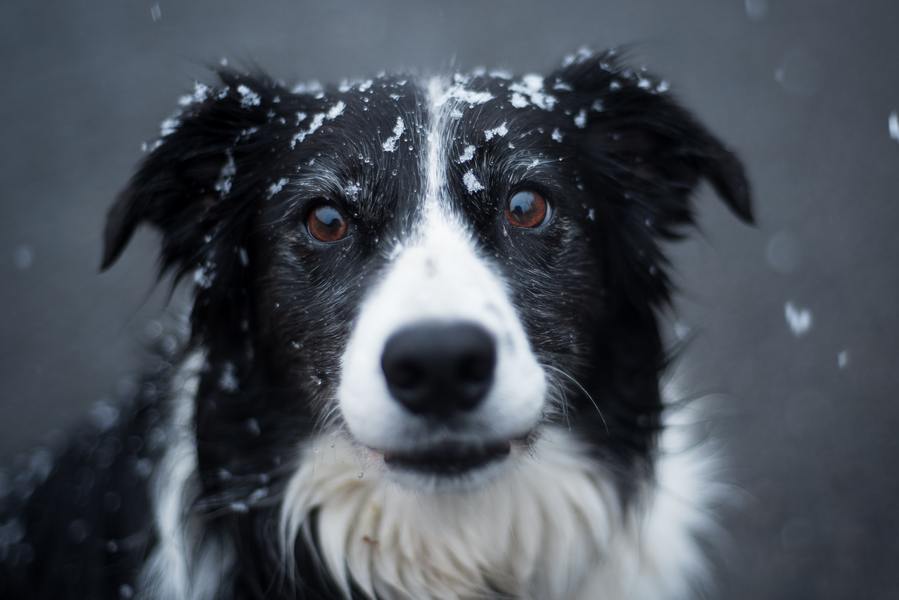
(527, 209)
(326, 223)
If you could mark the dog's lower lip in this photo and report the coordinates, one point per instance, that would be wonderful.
(449, 459)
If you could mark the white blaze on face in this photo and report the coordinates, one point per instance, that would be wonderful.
(438, 275)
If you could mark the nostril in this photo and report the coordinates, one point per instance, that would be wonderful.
(406, 374)
(439, 368)
(475, 367)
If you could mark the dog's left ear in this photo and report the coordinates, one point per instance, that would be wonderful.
(188, 187)
(642, 145)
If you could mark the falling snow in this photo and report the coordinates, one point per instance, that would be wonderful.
(23, 257)
(843, 359)
(203, 278)
(556, 135)
(239, 507)
(800, 72)
(799, 319)
(78, 531)
(681, 329)
(471, 182)
(756, 9)
(228, 381)
(143, 467)
(893, 123)
(104, 415)
(580, 119)
(783, 252)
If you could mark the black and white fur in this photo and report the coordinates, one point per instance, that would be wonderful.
(250, 464)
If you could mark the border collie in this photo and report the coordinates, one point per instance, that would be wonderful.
(424, 352)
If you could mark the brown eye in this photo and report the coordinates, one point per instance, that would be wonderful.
(326, 223)
(527, 209)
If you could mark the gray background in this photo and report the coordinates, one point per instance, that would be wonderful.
(802, 88)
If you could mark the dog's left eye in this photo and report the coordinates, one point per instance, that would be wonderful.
(326, 223)
(527, 209)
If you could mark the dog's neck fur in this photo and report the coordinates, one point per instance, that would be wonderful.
(534, 533)
(553, 528)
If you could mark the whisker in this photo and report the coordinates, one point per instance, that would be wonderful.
(560, 398)
(328, 418)
(584, 390)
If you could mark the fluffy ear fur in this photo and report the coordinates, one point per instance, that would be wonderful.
(642, 155)
(200, 187)
(187, 185)
(637, 133)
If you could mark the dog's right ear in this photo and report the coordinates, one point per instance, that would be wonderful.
(187, 186)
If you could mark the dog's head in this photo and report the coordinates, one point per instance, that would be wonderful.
(434, 269)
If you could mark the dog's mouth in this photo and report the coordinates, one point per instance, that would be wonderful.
(449, 459)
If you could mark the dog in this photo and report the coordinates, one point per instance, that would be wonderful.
(423, 360)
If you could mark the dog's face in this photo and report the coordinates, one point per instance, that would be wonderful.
(435, 269)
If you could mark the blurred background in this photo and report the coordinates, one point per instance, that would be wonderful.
(793, 323)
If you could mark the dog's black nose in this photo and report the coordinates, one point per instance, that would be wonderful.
(438, 369)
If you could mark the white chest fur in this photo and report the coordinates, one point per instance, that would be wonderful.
(550, 529)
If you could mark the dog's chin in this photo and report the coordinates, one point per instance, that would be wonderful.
(450, 466)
